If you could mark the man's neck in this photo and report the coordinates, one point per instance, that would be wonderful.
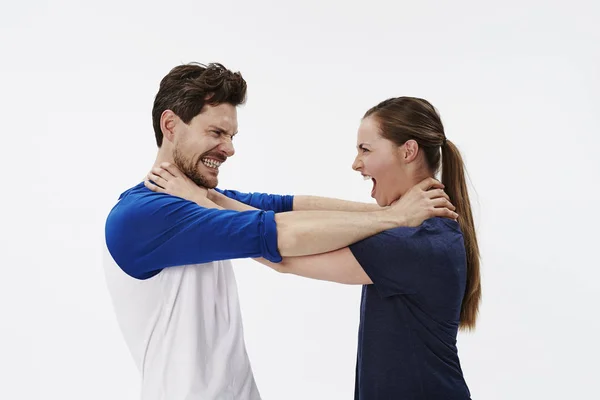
(163, 156)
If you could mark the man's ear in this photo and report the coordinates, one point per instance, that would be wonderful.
(168, 122)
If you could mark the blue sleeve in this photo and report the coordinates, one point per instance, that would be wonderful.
(148, 232)
(393, 259)
(262, 201)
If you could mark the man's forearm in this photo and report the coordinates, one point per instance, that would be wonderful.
(305, 203)
(302, 233)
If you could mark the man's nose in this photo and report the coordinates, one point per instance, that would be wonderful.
(227, 148)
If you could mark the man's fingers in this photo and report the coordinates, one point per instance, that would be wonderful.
(443, 202)
(172, 169)
(430, 183)
(444, 211)
(437, 193)
(152, 186)
(448, 214)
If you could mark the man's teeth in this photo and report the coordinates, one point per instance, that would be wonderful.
(211, 163)
(366, 177)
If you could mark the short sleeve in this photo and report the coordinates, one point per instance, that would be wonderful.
(393, 259)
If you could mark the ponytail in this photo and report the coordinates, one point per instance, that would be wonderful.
(453, 178)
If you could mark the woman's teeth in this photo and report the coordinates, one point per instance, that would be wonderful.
(211, 163)
(366, 177)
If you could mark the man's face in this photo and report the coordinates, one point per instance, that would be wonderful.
(201, 146)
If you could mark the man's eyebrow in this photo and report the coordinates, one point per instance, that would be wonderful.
(220, 130)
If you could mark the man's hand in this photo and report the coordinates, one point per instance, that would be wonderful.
(167, 178)
(425, 200)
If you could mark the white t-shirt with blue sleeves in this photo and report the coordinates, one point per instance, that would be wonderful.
(174, 291)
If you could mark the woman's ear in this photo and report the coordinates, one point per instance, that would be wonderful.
(409, 151)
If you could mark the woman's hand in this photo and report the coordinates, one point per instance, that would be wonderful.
(167, 178)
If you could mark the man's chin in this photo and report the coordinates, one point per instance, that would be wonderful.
(208, 183)
(200, 179)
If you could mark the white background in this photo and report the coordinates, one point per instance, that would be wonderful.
(516, 84)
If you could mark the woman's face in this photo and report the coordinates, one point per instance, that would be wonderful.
(380, 160)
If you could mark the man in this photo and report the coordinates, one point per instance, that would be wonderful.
(167, 264)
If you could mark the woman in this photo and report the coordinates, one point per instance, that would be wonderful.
(420, 284)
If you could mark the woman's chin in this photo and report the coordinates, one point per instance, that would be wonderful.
(380, 201)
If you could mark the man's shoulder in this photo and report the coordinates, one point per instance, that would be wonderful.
(140, 197)
(136, 192)
(139, 203)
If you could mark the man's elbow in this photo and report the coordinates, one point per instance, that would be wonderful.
(287, 238)
(287, 245)
(281, 267)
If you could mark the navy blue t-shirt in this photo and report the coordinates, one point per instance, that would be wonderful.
(410, 315)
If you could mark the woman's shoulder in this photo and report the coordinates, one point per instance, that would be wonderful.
(444, 224)
(436, 225)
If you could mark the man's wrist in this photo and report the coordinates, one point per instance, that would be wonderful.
(389, 219)
(374, 207)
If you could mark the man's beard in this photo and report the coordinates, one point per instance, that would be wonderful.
(191, 169)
